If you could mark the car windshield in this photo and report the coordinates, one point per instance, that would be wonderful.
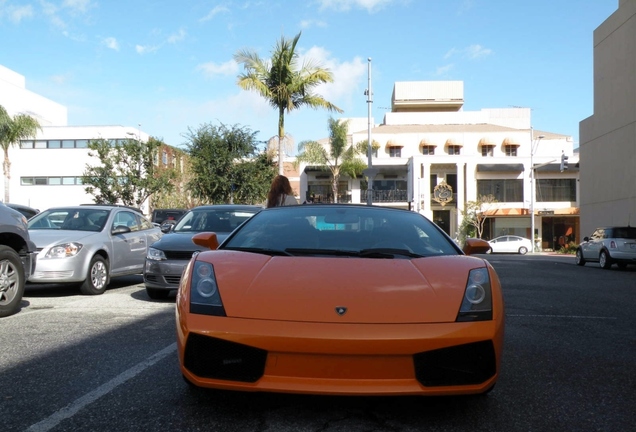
(625, 233)
(342, 231)
(71, 219)
(215, 220)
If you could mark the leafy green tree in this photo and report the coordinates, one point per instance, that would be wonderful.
(226, 165)
(363, 146)
(338, 156)
(130, 171)
(12, 130)
(284, 83)
(475, 214)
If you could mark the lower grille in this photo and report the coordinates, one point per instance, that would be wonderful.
(208, 357)
(467, 364)
(178, 255)
(173, 280)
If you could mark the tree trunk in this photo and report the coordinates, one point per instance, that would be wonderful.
(6, 170)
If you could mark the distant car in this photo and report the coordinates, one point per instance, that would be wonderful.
(510, 244)
(89, 244)
(168, 257)
(608, 246)
(160, 216)
(340, 299)
(27, 211)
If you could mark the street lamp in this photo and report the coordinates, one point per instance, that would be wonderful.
(369, 172)
(534, 144)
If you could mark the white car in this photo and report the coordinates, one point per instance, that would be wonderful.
(510, 244)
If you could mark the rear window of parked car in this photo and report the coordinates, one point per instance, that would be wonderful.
(626, 233)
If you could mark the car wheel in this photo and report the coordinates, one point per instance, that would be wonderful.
(97, 278)
(604, 260)
(578, 259)
(157, 294)
(11, 281)
(523, 250)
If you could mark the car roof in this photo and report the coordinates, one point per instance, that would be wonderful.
(227, 207)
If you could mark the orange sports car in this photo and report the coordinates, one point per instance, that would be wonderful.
(343, 300)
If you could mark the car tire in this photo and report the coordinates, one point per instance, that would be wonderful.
(157, 294)
(97, 278)
(604, 260)
(578, 259)
(523, 250)
(11, 281)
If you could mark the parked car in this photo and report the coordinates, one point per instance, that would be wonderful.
(27, 211)
(510, 244)
(340, 299)
(17, 259)
(89, 244)
(608, 246)
(168, 257)
(160, 216)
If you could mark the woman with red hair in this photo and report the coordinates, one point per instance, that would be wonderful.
(280, 193)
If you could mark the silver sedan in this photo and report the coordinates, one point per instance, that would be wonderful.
(89, 244)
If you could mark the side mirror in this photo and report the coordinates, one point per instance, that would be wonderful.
(120, 229)
(474, 246)
(166, 228)
(206, 239)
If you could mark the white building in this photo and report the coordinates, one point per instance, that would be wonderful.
(47, 171)
(430, 146)
(608, 137)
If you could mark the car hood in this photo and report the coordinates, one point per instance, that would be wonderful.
(424, 290)
(43, 238)
(182, 241)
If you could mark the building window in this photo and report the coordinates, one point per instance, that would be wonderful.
(502, 189)
(510, 150)
(487, 150)
(50, 181)
(81, 144)
(26, 144)
(554, 190)
(40, 144)
(164, 158)
(454, 149)
(428, 150)
(395, 152)
(68, 144)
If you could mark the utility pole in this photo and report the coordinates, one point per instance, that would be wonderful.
(369, 172)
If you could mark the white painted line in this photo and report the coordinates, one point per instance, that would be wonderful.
(562, 316)
(71, 409)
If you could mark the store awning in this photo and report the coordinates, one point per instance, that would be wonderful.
(511, 142)
(453, 142)
(393, 143)
(499, 167)
(427, 143)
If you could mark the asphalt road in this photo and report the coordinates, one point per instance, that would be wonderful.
(108, 363)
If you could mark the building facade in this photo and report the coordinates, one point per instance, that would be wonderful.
(608, 137)
(434, 158)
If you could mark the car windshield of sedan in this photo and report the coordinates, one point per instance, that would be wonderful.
(344, 231)
(215, 220)
(71, 219)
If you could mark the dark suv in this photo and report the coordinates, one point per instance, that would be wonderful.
(607, 246)
(17, 259)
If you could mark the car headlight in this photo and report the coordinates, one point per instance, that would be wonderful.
(64, 250)
(477, 302)
(205, 298)
(155, 254)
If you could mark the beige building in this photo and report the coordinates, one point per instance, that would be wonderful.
(608, 137)
(434, 158)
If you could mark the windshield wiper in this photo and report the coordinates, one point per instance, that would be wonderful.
(272, 252)
(316, 251)
(387, 253)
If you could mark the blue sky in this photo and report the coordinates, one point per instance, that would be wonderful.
(168, 65)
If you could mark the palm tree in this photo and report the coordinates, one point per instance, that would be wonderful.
(339, 157)
(12, 130)
(284, 84)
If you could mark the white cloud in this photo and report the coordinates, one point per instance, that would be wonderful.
(304, 24)
(443, 70)
(472, 52)
(77, 5)
(210, 69)
(17, 13)
(111, 42)
(144, 49)
(177, 37)
(215, 11)
(346, 5)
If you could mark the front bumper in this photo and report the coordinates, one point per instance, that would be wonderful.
(164, 274)
(345, 359)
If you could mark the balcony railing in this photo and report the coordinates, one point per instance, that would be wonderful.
(384, 195)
